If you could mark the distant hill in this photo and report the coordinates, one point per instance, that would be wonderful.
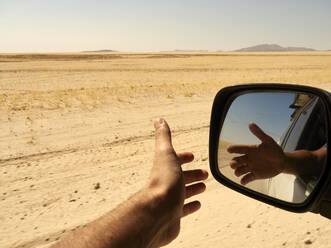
(183, 51)
(100, 51)
(273, 48)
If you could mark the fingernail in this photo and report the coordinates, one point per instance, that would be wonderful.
(158, 123)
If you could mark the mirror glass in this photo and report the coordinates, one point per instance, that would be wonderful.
(274, 143)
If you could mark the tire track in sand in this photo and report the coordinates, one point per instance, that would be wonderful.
(49, 154)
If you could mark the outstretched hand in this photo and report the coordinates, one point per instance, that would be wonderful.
(151, 217)
(260, 161)
(171, 184)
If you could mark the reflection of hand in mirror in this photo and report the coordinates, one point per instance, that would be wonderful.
(259, 161)
(266, 160)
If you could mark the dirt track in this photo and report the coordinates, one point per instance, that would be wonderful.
(70, 124)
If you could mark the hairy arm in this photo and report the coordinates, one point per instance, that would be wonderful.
(150, 218)
(132, 224)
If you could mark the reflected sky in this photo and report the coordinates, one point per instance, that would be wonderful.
(268, 110)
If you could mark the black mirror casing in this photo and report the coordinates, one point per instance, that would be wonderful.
(320, 199)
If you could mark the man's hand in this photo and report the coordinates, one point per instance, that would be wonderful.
(151, 217)
(171, 185)
(260, 161)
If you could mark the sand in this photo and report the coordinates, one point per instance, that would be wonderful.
(77, 139)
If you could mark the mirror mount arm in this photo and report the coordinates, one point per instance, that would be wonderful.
(323, 204)
(325, 208)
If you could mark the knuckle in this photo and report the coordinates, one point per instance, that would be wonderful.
(166, 149)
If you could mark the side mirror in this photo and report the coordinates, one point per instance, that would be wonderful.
(270, 142)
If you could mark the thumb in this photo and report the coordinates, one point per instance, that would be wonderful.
(258, 132)
(162, 136)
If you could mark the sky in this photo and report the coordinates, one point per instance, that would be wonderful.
(270, 111)
(158, 25)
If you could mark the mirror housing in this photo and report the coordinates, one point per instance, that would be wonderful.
(319, 201)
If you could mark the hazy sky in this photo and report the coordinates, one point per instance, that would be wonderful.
(159, 25)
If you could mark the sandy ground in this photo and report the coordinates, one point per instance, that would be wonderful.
(77, 139)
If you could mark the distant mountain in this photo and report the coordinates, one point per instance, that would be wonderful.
(273, 48)
(187, 51)
(100, 51)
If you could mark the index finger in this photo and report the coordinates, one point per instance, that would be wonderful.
(196, 175)
(241, 149)
(185, 157)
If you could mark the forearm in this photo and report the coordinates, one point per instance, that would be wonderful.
(132, 224)
(151, 218)
(303, 163)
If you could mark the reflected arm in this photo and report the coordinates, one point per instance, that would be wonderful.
(267, 160)
(305, 163)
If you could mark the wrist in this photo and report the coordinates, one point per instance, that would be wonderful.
(288, 164)
(146, 210)
(154, 203)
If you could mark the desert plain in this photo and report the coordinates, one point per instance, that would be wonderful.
(77, 139)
